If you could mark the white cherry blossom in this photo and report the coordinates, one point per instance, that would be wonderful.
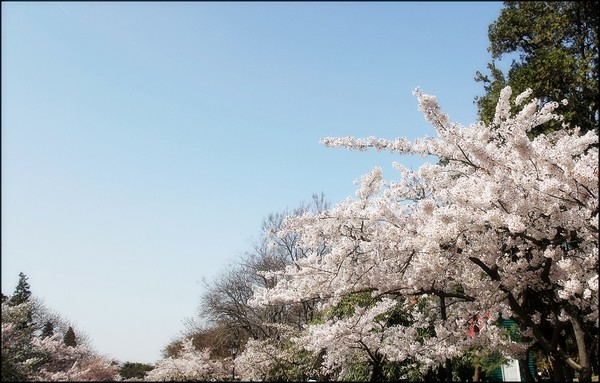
(501, 219)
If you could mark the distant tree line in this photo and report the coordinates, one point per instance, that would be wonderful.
(38, 344)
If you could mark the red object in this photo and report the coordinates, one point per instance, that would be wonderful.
(476, 323)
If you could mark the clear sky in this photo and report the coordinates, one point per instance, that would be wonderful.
(143, 143)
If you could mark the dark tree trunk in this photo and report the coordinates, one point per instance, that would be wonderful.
(558, 370)
(376, 373)
(447, 363)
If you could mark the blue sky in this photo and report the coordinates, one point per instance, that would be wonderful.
(143, 143)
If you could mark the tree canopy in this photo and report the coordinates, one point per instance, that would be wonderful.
(506, 226)
(554, 47)
(416, 278)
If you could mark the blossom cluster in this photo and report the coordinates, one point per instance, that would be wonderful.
(500, 219)
(189, 365)
(66, 363)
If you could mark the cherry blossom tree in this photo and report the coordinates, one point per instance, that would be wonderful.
(17, 352)
(61, 362)
(502, 226)
(190, 364)
(27, 356)
(261, 359)
(278, 359)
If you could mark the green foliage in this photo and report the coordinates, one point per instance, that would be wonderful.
(13, 369)
(512, 329)
(348, 304)
(487, 360)
(17, 351)
(21, 297)
(492, 86)
(358, 372)
(294, 364)
(131, 370)
(345, 308)
(307, 365)
(22, 292)
(555, 51)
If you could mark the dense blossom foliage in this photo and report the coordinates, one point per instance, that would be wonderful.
(61, 362)
(503, 224)
(190, 365)
(259, 359)
(16, 349)
(277, 359)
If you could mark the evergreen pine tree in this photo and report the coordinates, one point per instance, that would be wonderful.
(556, 48)
(48, 329)
(22, 291)
(69, 338)
(21, 295)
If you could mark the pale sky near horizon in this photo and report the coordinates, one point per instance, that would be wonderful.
(144, 142)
